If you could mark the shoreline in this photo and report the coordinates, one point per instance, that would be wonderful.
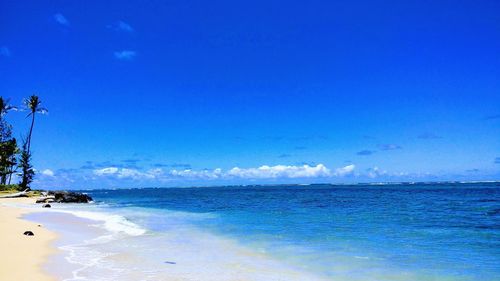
(79, 237)
(117, 241)
(24, 257)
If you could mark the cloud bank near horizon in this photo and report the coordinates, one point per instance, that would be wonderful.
(122, 176)
(262, 172)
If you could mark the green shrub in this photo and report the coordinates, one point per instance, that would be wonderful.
(9, 187)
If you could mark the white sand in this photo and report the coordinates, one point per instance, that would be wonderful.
(22, 257)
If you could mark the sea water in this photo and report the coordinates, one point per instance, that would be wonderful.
(316, 232)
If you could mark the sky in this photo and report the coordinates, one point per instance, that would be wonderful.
(200, 93)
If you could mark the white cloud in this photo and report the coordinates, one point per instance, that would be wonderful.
(125, 173)
(4, 51)
(106, 171)
(262, 172)
(203, 174)
(129, 173)
(156, 172)
(125, 55)
(280, 171)
(344, 171)
(123, 26)
(376, 172)
(48, 173)
(59, 18)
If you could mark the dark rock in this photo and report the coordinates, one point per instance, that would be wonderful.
(70, 197)
(28, 233)
(46, 206)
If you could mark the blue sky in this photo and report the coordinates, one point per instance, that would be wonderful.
(181, 93)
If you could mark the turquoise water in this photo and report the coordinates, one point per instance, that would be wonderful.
(317, 232)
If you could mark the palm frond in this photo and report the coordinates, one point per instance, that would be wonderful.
(13, 108)
(5, 106)
(42, 110)
(33, 104)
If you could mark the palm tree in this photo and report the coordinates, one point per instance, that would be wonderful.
(27, 172)
(5, 128)
(33, 104)
(5, 107)
(8, 144)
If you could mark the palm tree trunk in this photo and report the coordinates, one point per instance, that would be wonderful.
(31, 131)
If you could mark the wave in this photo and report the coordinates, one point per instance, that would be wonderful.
(113, 223)
(174, 252)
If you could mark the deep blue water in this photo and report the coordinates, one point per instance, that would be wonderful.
(369, 232)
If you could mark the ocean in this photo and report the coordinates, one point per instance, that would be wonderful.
(418, 231)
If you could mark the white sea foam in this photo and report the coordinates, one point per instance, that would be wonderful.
(111, 222)
(87, 249)
(119, 251)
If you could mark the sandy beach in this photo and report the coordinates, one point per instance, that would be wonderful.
(22, 257)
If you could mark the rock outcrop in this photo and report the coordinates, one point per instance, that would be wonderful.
(64, 197)
(70, 197)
